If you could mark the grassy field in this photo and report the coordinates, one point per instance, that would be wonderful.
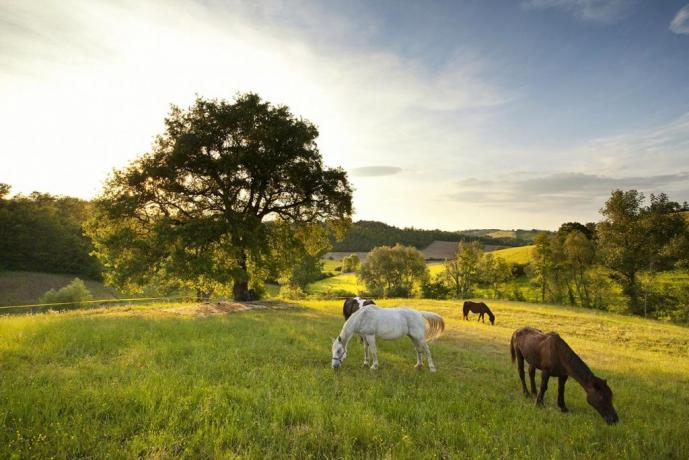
(519, 255)
(146, 382)
(346, 282)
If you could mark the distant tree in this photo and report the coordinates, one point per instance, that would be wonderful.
(350, 263)
(463, 271)
(42, 232)
(569, 227)
(194, 210)
(633, 238)
(4, 190)
(542, 262)
(494, 271)
(393, 271)
(580, 254)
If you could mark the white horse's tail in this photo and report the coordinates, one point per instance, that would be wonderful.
(436, 325)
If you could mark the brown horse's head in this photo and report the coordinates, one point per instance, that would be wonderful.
(599, 395)
(491, 317)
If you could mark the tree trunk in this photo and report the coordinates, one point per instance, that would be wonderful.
(240, 291)
(633, 292)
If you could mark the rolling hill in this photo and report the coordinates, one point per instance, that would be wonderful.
(159, 383)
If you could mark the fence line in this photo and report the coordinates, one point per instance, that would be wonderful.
(135, 299)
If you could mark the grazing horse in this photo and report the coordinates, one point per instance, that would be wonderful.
(480, 308)
(352, 305)
(388, 323)
(549, 353)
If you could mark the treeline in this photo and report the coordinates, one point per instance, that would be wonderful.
(41, 232)
(582, 265)
(365, 235)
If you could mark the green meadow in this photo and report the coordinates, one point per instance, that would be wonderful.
(149, 382)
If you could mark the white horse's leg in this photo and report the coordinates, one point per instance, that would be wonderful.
(431, 366)
(418, 348)
(371, 340)
(365, 351)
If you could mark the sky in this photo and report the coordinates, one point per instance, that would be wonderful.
(452, 115)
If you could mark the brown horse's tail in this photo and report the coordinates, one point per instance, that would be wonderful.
(512, 352)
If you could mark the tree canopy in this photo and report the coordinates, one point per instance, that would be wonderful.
(633, 237)
(195, 208)
(393, 271)
(42, 232)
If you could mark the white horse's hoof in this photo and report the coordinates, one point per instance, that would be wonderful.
(432, 369)
(364, 365)
(374, 368)
(418, 367)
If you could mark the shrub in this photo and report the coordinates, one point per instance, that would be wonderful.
(436, 289)
(75, 292)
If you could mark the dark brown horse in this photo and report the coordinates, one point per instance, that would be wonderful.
(352, 305)
(549, 353)
(480, 308)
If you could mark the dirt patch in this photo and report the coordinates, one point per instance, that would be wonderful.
(223, 307)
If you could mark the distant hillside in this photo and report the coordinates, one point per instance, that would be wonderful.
(366, 235)
(17, 288)
(524, 236)
(520, 255)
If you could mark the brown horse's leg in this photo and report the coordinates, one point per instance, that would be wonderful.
(544, 386)
(520, 367)
(532, 379)
(561, 394)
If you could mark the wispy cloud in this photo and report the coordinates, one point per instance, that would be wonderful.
(680, 23)
(558, 191)
(600, 11)
(653, 150)
(375, 171)
(98, 68)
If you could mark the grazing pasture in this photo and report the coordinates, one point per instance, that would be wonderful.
(146, 381)
(518, 255)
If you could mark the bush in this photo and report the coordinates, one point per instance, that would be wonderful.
(75, 292)
(436, 289)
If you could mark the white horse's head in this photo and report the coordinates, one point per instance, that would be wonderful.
(339, 352)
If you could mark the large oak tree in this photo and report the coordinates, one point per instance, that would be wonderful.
(195, 209)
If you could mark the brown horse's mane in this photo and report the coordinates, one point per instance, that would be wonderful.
(579, 370)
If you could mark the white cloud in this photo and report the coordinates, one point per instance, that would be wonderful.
(601, 11)
(680, 23)
(563, 192)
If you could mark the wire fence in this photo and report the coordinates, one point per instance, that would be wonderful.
(11, 309)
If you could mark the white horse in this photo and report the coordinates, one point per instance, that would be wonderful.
(388, 323)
